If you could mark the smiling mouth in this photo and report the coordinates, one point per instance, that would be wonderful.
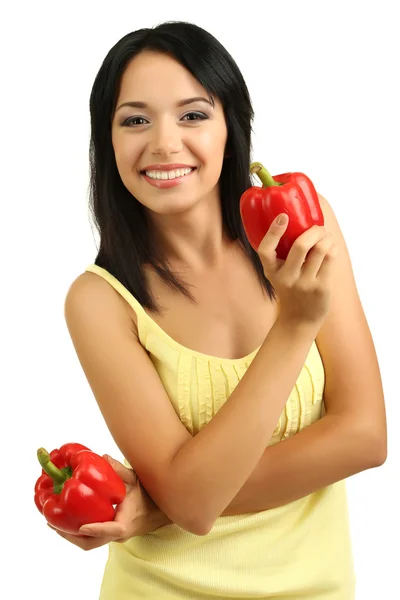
(169, 175)
(167, 179)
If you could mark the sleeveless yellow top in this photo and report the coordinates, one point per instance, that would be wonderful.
(299, 550)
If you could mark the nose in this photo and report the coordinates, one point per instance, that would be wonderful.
(165, 139)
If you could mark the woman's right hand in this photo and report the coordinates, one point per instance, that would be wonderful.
(303, 282)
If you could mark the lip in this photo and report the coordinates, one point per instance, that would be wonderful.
(167, 183)
(167, 167)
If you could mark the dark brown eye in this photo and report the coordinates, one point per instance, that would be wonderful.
(199, 116)
(131, 119)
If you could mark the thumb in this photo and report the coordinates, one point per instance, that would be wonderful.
(282, 220)
(272, 238)
(127, 475)
(109, 529)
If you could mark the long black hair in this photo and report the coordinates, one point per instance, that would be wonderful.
(125, 242)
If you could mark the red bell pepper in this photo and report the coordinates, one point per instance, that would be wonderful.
(290, 193)
(76, 487)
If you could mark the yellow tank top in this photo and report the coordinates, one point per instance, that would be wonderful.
(299, 550)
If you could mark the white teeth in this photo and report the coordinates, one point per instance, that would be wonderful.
(168, 174)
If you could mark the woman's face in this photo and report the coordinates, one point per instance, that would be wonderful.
(160, 131)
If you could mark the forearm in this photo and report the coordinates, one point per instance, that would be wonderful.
(329, 450)
(208, 471)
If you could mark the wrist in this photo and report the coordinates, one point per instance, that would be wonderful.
(296, 326)
(161, 519)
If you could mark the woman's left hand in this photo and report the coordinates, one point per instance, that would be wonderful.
(136, 515)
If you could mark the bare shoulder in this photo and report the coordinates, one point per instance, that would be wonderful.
(89, 291)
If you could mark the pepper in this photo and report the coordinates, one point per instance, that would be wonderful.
(290, 193)
(76, 487)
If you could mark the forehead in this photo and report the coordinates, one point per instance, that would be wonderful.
(150, 73)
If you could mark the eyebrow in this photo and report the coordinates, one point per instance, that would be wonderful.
(138, 104)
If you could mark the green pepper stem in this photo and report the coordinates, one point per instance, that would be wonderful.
(263, 175)
(49, 467)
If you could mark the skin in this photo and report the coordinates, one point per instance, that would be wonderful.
(186, 220)
(187, 226)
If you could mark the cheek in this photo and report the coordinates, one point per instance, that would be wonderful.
(126, 150)
(126, 166)
(126, 157)
(211, 148)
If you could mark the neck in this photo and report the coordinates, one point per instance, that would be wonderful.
(194, 240)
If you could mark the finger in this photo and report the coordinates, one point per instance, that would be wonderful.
(111, 529)
(68, 536)
(127, 475)
(269, 243)
(325, 272)
(85, 543)
(316, 257)
(63, 534)
(300, 249)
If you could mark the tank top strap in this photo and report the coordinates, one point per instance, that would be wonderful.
(121, 289)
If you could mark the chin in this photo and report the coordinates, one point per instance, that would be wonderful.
(168, 205)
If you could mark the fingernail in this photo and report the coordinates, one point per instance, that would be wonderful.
(282, 219)
(85, 531)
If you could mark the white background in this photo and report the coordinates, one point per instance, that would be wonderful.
(323, 77)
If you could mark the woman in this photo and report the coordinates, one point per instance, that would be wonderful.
(243, 403)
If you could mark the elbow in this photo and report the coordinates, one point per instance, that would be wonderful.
(193, 522)
(199, 527)
(186, 508)
(190, 516)
(375, 448)
(379, 455)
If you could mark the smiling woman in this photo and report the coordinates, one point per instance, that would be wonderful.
(243, 405)
(162, 128)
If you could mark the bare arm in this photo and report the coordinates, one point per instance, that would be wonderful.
(219, 459)
(328, 451)
(352, 436)
(192, 480)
